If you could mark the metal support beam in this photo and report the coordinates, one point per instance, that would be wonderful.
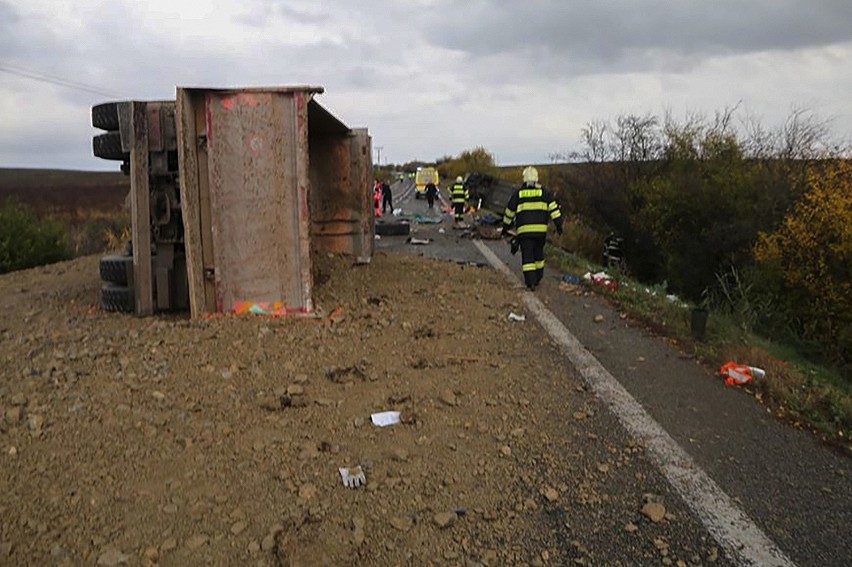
(140, 210)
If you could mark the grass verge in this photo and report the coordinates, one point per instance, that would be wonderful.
(805, 394)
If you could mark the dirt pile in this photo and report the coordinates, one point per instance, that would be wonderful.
(177, 442)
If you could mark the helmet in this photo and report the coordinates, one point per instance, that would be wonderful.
(459, 179)
(530, 175)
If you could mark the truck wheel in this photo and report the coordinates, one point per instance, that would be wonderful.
(393, 229)
(105, 116)
(117, 298)
(108, 146)
(117, 269)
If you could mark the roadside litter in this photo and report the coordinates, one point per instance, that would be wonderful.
(275, 308)
(517, 318)
(602, 279)
(354, 477)
(385, 418)
(572, 279)
(412, 240)
(397, 212)
(740, 374)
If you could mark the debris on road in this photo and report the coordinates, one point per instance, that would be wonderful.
(517, 318)
(490, 219)
(385, 418)
(445, 519)
(740, 374)
(416, 241)
(602, 279)
(344, 374)
(273, 308)
(354, 477)
(448, 397)
(209, 462)
(396, 228)
(550, 493)
(486, 232)
(654, 511)
(420, 218)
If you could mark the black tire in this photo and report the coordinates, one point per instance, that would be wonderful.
(117, 269)
(393, 229)
(108, 146)
(105, 116)
(117, 298)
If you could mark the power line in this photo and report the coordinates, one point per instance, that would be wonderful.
(54, 80)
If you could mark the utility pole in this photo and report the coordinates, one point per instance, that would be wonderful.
(379, 156)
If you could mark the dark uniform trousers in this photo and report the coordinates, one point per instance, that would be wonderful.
(459, 210)
(532, 258)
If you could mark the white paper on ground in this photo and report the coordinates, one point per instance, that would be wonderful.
(385, 418)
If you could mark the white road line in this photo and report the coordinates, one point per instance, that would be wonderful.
(741, 539)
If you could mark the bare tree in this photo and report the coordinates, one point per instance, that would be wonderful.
(594, 137)
(637, 138)
(804, 136)
(759, 143)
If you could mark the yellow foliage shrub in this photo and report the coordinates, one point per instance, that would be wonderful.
(812, 253)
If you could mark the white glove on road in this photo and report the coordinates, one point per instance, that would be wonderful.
(353, 478)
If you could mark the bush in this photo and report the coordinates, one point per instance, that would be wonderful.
(477, 160)
(27, 241)
(811, 255)
(580, 239)
(689, 198)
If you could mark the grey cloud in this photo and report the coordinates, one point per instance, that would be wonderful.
(300, 16)
(8, 17)
(259, 14)
(254, 16)
(375, 69)
(611, 32)
(13, 35)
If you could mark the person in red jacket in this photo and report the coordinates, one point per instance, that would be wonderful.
(377, 198)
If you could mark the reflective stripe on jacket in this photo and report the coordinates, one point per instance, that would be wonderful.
(459, 194)
(530, 208)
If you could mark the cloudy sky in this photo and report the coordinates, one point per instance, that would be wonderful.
(427, 77)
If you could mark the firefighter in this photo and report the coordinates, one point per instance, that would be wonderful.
(459, 195)
(612, 253)
(387, 197)
(530, 208)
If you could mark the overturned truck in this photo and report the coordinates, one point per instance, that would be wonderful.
(232, 190)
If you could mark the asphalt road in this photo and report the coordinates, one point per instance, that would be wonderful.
(797, 491)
